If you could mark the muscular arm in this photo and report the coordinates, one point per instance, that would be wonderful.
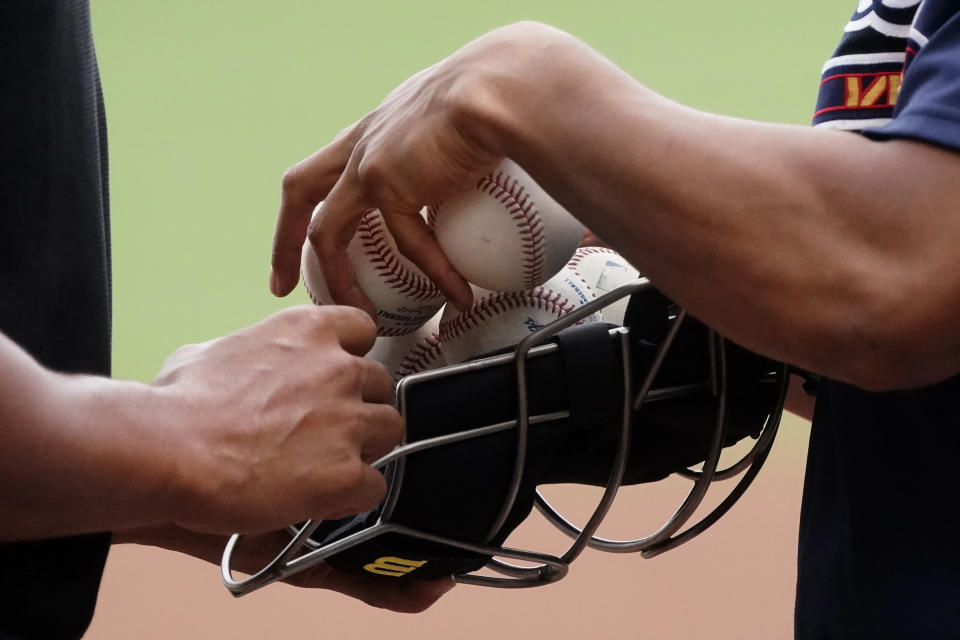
(821, 248)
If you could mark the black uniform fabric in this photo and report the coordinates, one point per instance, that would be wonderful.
(880, 522)
(880, 519)
(54, 268)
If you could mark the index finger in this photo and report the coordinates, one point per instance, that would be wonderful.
(415, 240)
(304, 185)
(330, 232)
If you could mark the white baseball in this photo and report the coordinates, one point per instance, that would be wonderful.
(404, 297)
(502, 319)
(507, 234)
(599, 270)
(417, 351)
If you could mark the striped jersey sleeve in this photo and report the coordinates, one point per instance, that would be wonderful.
(896, 73)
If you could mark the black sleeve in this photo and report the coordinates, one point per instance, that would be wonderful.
(54, 268)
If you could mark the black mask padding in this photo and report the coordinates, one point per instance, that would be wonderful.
(457, 490)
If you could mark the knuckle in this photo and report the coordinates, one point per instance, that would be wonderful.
(527, 28)
(349, 370)
(394, 428)
(378, 372)
(301, 316)
(357, 320)
(361, 126)
(187, 350)
(291, 179)
(316, 232)
(349, 476)
(316, 315)
(371, 172)
(309, 320)
(379, 179)
(326, 320)
(352, 132)
(338, 368)
(315, 322)
(322, 238)
(372, 498)
(361, 319)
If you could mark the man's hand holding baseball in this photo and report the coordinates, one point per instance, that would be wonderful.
(431, 138)
(291, 429)
(270, 425)
(687, 197)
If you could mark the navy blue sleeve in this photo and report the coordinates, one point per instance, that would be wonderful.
(928, 107)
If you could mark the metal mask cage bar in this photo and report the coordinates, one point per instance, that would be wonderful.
(664, 538)
(547, 568)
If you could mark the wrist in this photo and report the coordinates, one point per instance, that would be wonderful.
(536, 94)
(80, 454)
(198, 476)
(126, 435)
(495, 103)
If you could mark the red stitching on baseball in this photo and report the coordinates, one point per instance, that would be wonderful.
(306, 286)
(540, 298)
(579, 255)
(388, 264)
(508, 192)
(420, 356)
(582, 252)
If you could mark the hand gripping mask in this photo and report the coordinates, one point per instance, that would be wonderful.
(593, 404)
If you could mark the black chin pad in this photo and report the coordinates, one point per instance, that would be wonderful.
(456, 491)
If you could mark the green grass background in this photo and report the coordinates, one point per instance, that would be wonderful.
(209, 102)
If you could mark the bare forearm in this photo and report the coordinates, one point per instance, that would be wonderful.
(275, 423)
(820, 248)
(702, 203)
(77, 453)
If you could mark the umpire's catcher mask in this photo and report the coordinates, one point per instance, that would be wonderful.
(594, 404)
